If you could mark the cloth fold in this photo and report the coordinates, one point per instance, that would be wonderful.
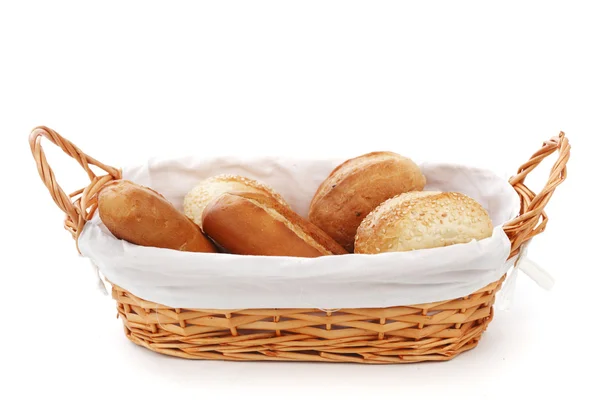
(226, 281)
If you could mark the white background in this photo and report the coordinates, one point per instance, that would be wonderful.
(465, 82)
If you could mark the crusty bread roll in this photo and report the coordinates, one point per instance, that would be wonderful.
(254, 223)
(422, 220)
(356, 187)
(144, 217)
(196, 200)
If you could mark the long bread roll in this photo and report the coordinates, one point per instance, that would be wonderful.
(254, 223)
(144, 217)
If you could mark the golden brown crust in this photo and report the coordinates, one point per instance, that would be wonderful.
(422, 220)
(354, 188)
(199, 196)
(144, 217)
(255, 224)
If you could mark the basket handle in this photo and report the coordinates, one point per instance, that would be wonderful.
(532, 219)
(80, 205)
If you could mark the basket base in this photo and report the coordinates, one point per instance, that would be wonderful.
(407, 334)
(381, 351)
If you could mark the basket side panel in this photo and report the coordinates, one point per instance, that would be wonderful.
(427, 332)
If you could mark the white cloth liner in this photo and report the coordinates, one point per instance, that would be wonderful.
(225, 281)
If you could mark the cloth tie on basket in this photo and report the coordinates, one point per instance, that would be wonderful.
(99, 282)
(531, 269)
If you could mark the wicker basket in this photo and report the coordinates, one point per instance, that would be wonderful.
(407, 334)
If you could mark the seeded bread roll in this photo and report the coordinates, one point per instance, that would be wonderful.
(356, 187)
(256, 224)
(144, 217)
(422, 220)
(197, 198)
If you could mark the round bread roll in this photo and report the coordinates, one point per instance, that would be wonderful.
(254, 223)
(356, 187)
(144, 217)
(196, 199)
(422, 220)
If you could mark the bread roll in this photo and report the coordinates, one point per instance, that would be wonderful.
(255, 223)
(144, 217)
(356, 187)
(422, 220)
(197, 198)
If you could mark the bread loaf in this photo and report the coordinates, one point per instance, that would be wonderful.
(144, 217)
(254, 223)
(205, 191)
(422, 220)
(356, 187)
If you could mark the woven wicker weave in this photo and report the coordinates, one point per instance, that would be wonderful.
(423, 332)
